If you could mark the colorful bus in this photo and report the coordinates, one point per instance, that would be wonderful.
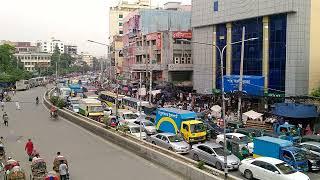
(133, 103)
(109, 98)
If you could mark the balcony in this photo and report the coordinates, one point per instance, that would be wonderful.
(180, 67)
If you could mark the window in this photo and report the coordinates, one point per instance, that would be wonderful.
(270, 167)
(165, 139)
(215, 6)
(120, 23)
(287, 156)
(120, 16)
(185, 126)
(159, 136)
(120, 32)
(258, 163)
(314, 148)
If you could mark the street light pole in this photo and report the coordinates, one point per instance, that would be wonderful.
(241, 74)
(222, 93)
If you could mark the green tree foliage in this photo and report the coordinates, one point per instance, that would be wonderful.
(316, 93)
(11, 69)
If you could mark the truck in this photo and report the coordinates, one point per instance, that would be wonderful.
(22, 85)
(174, 120)
(91, 108)
(280, 149)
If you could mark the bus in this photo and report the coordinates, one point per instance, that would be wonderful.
(22, 85)
(133, 103)
(109, 98)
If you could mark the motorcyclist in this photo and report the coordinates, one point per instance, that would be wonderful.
(37, 100)
(5, 118)
(53, 111)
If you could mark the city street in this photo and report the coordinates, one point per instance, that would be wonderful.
(89, 156)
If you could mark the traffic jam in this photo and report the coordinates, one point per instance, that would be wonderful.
(260, 146)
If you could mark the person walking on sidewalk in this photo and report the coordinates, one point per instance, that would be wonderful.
(29, 148)
(5, 119)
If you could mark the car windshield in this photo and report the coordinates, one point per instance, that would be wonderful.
(130, 116)
(195, 128)
(219, 151)
(148, 123)
(244, 139)
(175, 138)
(285, 168)
(135, 129)
(74, 102)
(96, 109)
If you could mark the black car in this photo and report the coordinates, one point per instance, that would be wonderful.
(313, 159)
(213, 129)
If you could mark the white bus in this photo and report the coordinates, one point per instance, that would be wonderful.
(22, 85)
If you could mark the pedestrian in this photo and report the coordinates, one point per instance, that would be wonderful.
(63, 170)
(17, 105)
(5, 119)
(29, 148)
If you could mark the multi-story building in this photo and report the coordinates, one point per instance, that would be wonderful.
(25, 47)
(50, 45)
(151, 44)
(87, 58)
(33, 61)
(116, 17)
(71, 49)
(286, 54)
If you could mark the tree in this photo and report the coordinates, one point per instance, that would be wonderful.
(316, 93)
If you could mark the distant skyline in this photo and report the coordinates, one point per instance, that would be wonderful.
(72, 21)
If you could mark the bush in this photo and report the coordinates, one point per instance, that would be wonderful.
(60, 103)
(54, 100)
(124, 128)
(200, 165)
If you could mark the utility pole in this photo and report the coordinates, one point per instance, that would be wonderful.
(241, 73)
(150, 85)
(139, 106)
(117, 94)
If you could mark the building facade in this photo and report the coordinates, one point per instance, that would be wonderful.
(50, 45)
(25, 47)
(87, 58)
(116, 20)
(284, 54)
(33, 61)
(71, 49)
(151, 44)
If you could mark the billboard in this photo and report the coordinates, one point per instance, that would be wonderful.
(252, 85)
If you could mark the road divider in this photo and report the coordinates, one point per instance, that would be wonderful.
(174, 162)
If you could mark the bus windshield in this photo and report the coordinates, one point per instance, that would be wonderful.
(96, 109)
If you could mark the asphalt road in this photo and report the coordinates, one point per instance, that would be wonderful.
(90, 157)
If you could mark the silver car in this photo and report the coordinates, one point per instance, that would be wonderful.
(213, 154)
(312, 146)
(170, 141)
(147, 126)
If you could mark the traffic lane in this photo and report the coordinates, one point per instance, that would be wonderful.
(89, 156)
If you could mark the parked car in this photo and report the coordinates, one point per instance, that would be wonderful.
(314, 138)
(135, 131)
(250, 132)
(170, 141)
(147, 126)
(266, 168)
(238, 137)
(314, 147)
(213, 154)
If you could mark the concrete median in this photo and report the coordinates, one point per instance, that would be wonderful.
(174, 162)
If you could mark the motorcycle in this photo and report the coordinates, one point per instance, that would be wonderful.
(54, 114)
(37, 101)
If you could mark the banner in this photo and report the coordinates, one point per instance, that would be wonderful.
(252, 85)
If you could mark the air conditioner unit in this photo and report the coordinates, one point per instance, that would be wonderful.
(176, 60)
(183, 60)
(189, 61)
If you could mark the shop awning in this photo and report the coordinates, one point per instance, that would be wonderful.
(253, 115)
(295, 110)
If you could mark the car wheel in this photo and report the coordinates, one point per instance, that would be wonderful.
(221, 143)
(218, 166)
(195, 157)
(153, 143)
(248, 174)
(170, 149)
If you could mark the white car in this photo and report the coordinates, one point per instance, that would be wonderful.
(135, 131)
(266, 168)
(237, 137)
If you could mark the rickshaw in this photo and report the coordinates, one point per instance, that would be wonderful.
(238, 148)
(16, 173)
(52, 175)
(56, 162)
(2, 153)
(38, 169)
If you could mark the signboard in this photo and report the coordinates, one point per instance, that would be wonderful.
(182, 35)
(252, 85)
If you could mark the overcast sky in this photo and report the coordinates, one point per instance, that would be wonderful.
(73, 21)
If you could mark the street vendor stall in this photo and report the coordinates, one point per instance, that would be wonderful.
(38, 169)
(251, 115)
